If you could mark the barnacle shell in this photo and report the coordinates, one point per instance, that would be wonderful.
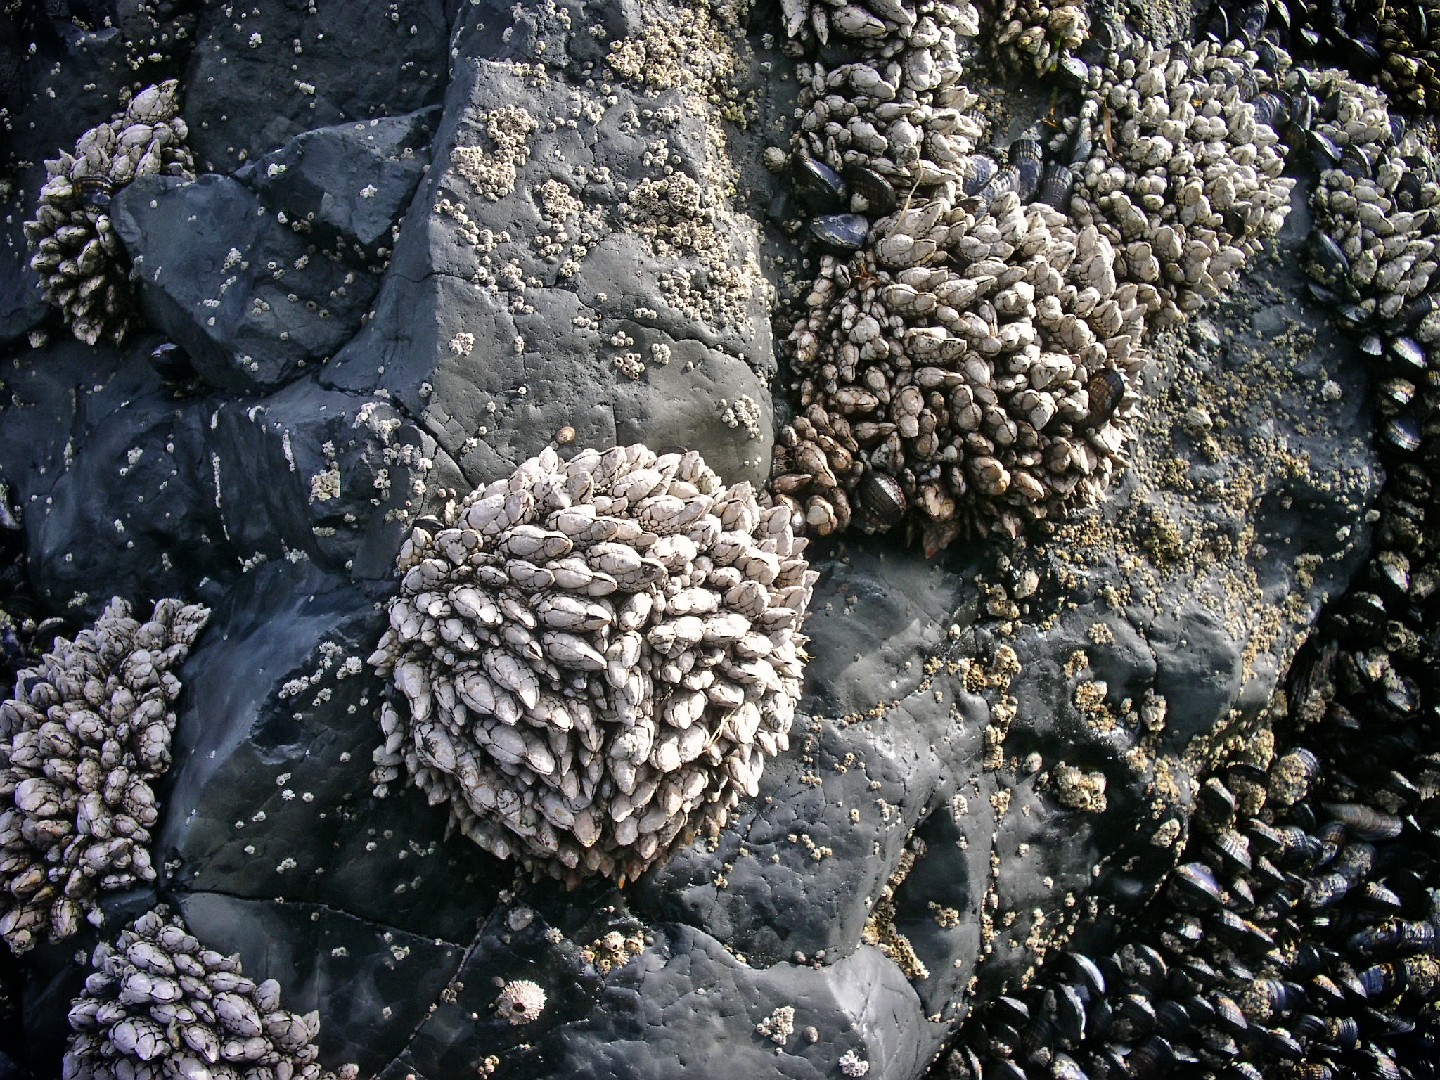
(76, 252)
(81, 744)
(593, 658)
(211, 1020)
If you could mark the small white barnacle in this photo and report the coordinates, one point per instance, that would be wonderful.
(520, 1001)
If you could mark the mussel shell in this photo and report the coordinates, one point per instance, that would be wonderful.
(1402, 432)
(881, 501)
(1057, 186)
(172, 362)
(977, 171)
(841, 232)
(1408, 355)
(95, 192)
(821, 187)
(1270, 110)
(1105, 390)
(1026, 157)
(877, 191)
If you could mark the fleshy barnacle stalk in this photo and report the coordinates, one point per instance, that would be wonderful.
(82, 741)
(594, 658)
(76, 251)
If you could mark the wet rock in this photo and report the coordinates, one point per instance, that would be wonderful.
(260, 77)
(351, 183)
(251, 300)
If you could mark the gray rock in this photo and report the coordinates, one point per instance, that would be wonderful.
(350, 183)
(110, 473)
(525, 297)
(252, 301)
(319, 474)
(270, 793)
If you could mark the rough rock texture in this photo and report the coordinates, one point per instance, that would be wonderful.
(996, 751)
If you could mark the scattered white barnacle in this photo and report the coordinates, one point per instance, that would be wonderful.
(594, 658)
(852, 1064)
(82, 743)
(520, 1002)
(1078, 789)
(75, 249)
(159, 1003)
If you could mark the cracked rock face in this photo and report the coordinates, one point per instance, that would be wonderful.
(596, 657)
(82, 743)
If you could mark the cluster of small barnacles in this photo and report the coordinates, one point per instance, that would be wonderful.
(76, 252)
(968, 355)
(82, 743)
(595, 657)
(160, 1004)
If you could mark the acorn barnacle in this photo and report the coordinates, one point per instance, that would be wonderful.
(593, 658)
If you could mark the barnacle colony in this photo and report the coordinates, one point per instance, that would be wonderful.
(160, 1004)
(81, 742)
(77, 253)
(595, 657)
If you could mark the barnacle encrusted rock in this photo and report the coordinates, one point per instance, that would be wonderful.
(77, 254)
(993, 387)
(1376, 245)
(1035, 36)
(899, 110)
(81, 743)
(160, 1004)
(1180, 174)
(596, 657)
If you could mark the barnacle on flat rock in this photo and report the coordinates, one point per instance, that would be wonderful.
(1180, 177)
(81, 743)
(76, 252)
(595, 657)
(982, 358)
(160, 1004)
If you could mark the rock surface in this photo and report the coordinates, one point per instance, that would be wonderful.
(996, 748)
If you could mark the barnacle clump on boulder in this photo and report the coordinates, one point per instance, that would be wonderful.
(81, 742)
(1036, 36)
(1377, 246)
(991, 384)
(77, 253)
(897, 115)
(160, 1004)
(1180, 175)
(596, 657)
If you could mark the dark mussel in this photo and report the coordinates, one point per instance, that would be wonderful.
(841, 232)
(876, 190)
(171, 362)
(881, 501)
(1057, 186)
(820, 186)
(1027, 158)
(1105, 389)
(1402, 433)
(977, 171)
(95, 192)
